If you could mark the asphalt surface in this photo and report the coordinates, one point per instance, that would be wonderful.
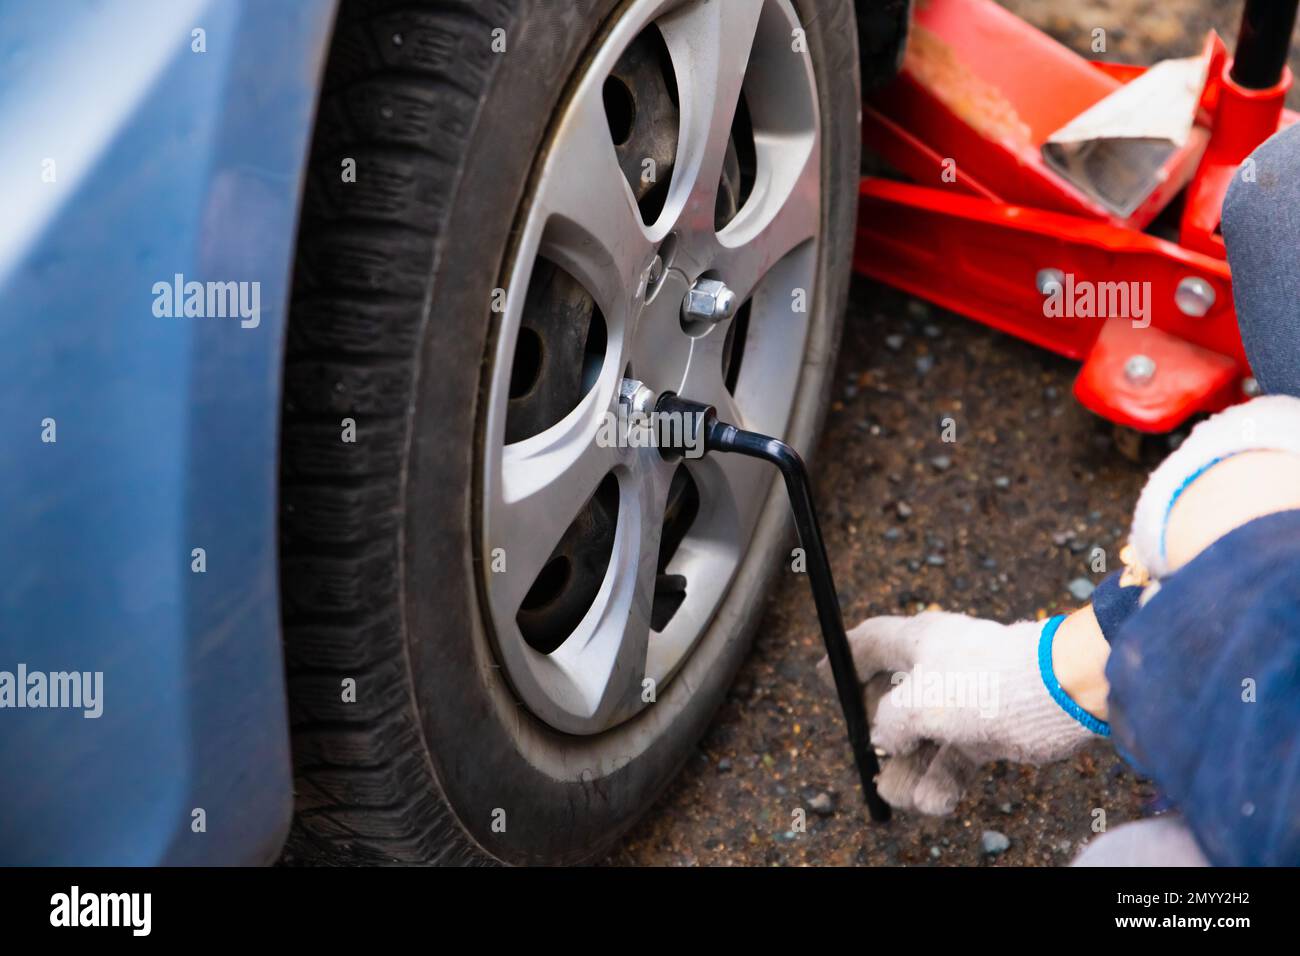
(999, 524)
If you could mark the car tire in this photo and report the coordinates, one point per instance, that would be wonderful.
(409, 744)
(883, 26)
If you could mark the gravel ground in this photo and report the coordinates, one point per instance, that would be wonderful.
(997, 524)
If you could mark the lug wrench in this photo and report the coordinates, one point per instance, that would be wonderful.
(718, 436)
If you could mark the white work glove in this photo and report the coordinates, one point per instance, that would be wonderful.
(947, 693)
(1268, 423)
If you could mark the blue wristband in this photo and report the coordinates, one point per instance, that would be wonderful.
(1054, 688)
(1178, 492)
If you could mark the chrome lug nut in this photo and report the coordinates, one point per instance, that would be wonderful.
(639, 398)
(709, 300)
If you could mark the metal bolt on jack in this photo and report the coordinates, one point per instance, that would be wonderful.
(719, 436)
(1047, 280)
(1140, 369)
(1194, 297)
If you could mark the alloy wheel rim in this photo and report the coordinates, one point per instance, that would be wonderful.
(583, 218)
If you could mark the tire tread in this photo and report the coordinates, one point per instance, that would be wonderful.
(365, 790)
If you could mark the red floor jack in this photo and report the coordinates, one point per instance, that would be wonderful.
(1003, 214)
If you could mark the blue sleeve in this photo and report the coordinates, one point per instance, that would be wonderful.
(1114, 604)
(1205, 693)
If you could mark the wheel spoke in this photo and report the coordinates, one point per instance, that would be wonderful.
(782, 213)
(545, 481)
(710, 45)
(594, 230)
(606, 657)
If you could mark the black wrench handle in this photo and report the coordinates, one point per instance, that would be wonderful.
(722, 437)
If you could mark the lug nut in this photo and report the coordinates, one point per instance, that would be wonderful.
(1194, 297)
(1139, 369)
(639, 398)
(709, 300)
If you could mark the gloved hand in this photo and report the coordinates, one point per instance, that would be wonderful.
(947, 693)
(1270, 423)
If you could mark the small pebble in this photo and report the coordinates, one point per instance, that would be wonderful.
(935, 853)
(940, 462)
(1081, 589)
(893, 533)
(1002, 482)
(992, 842)
(904, 510)
(1004, 807)
(935, 560)
(894, 342)
(823, 804)
(724, 765)
(924, 364)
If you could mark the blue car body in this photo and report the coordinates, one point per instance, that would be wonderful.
(145, 140)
